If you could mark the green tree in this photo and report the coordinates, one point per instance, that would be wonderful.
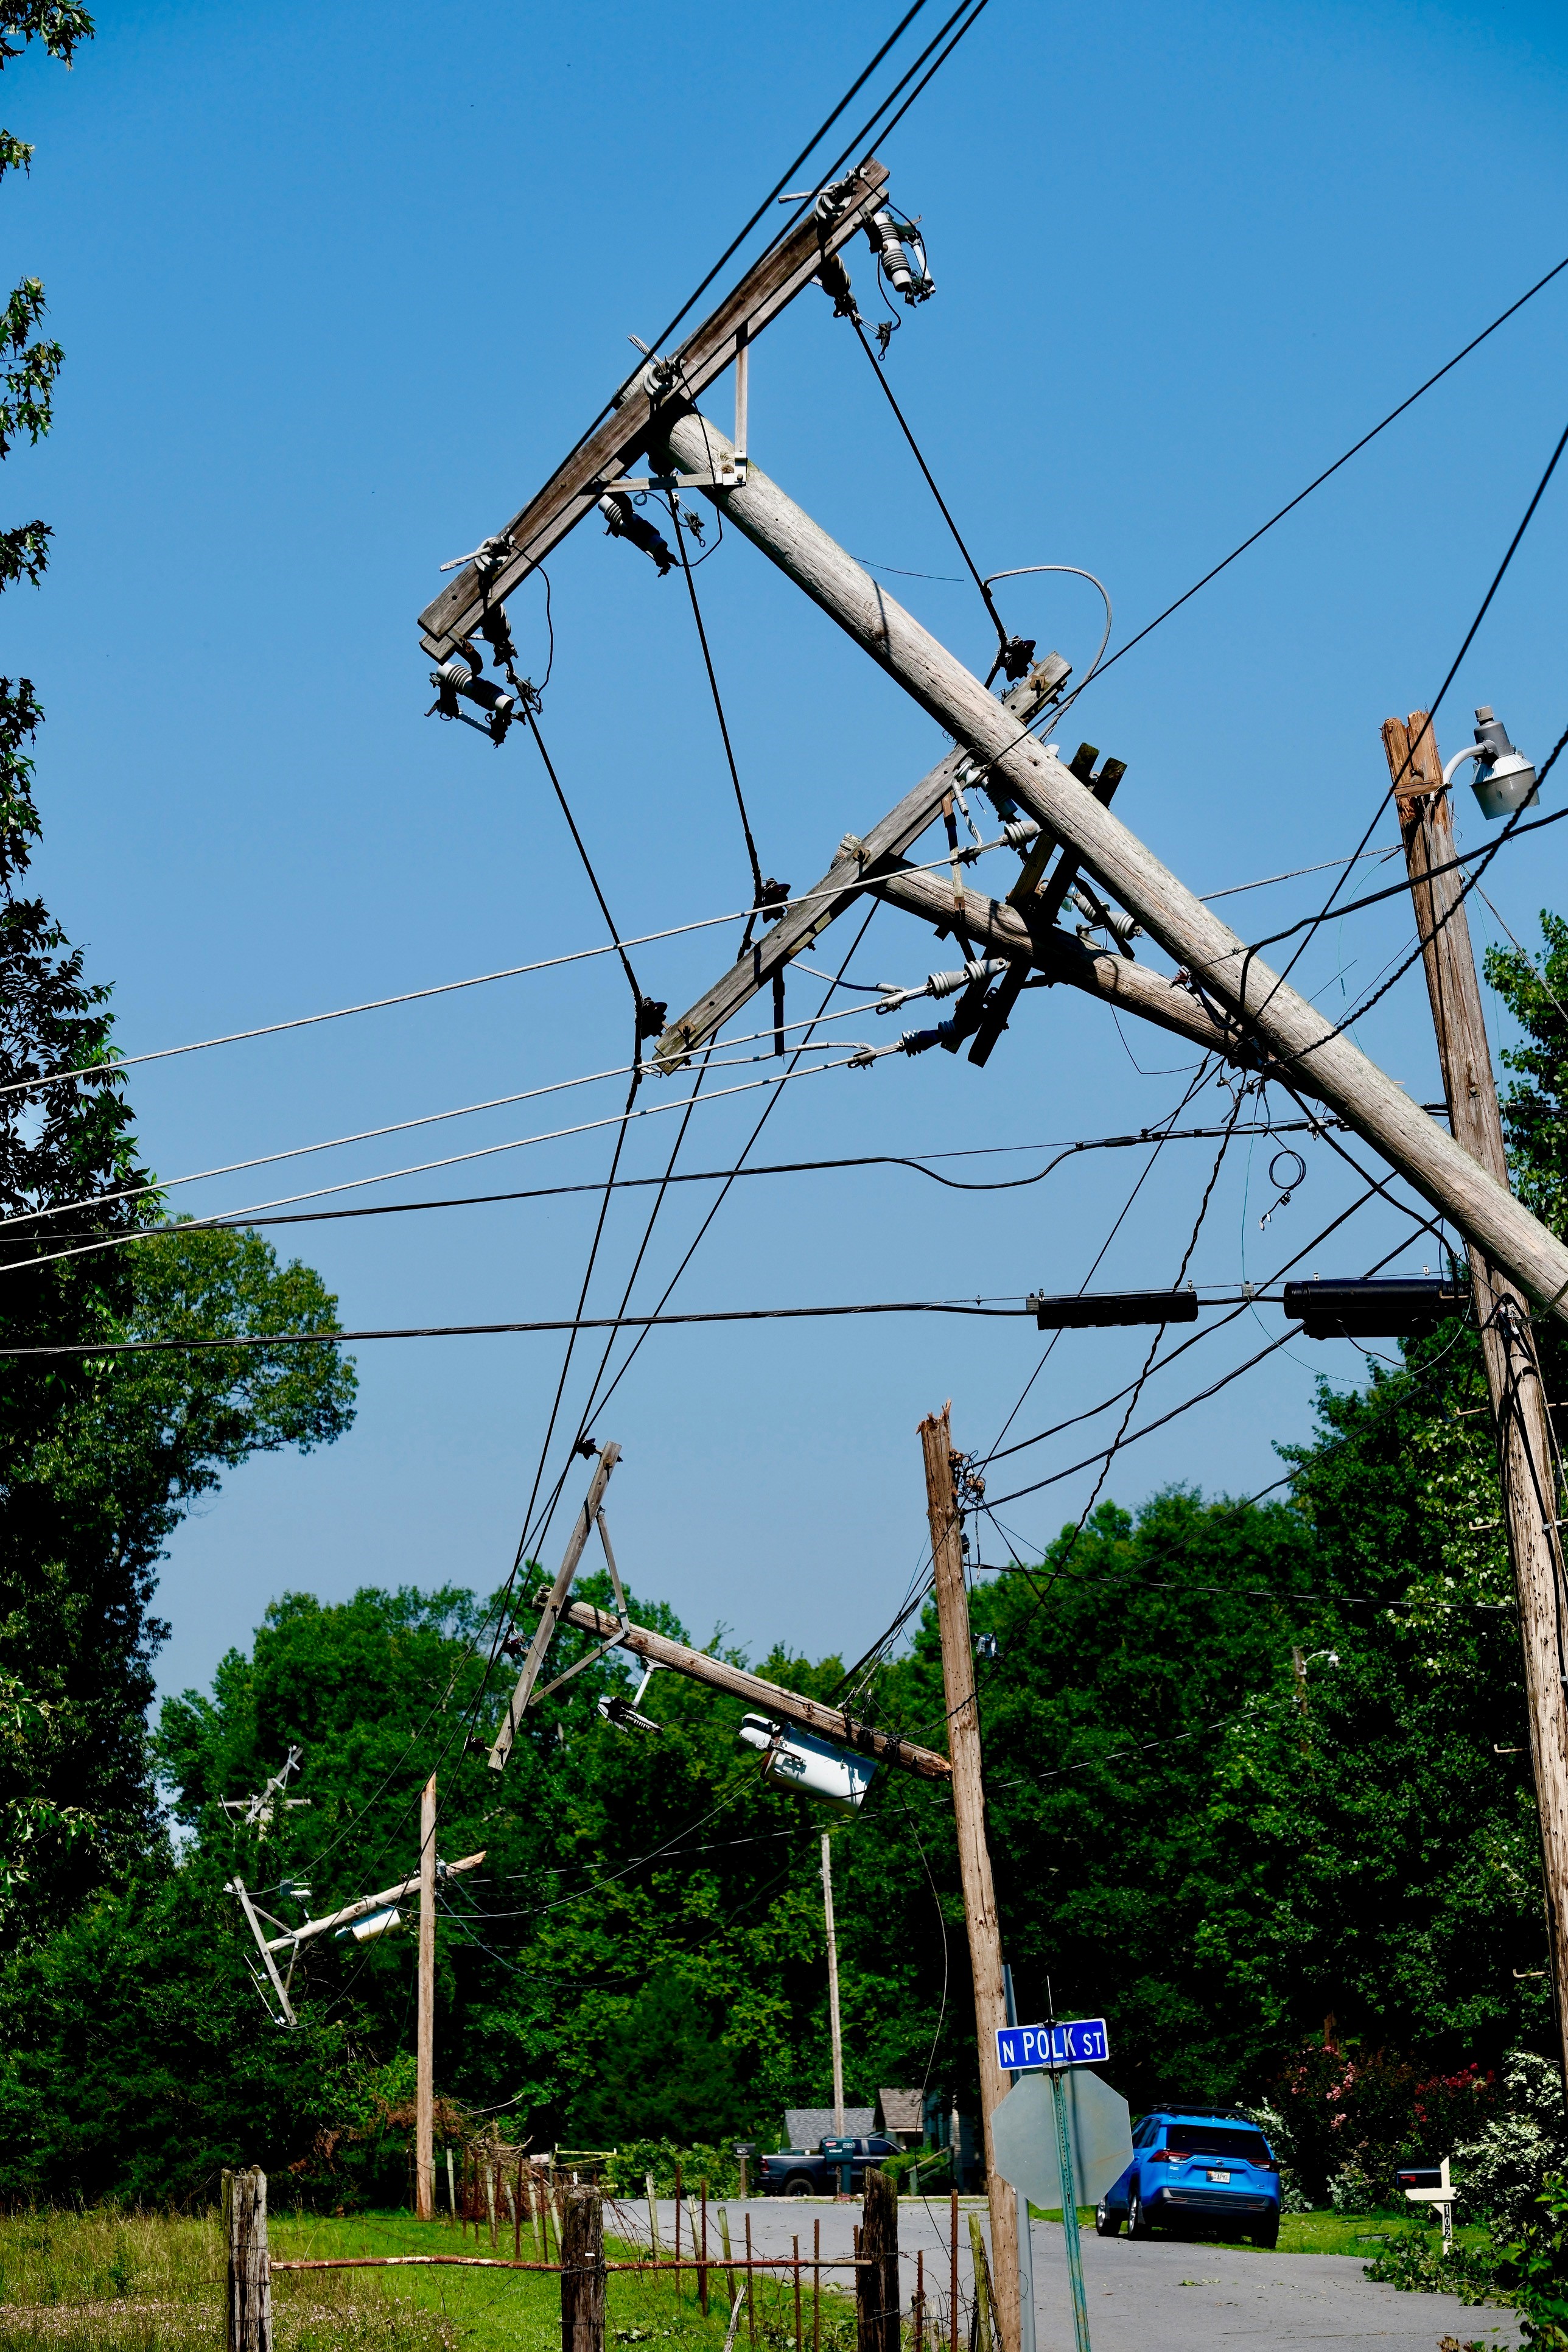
(99, 1456)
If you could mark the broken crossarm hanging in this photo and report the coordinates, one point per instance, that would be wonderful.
(552, 1608)
(1378, 1110)
(289, 1939)
(772, 1698)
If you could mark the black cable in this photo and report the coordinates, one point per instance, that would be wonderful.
(1471, 882)
(1421, 734)
(580, 1434)
(531, 717)
(986, 597)
(1023, 1445)
(657, 1316)
(718, 707)
(1158, 1340)
(888, 127)
(1354, 450)
(243, 1223)
(1195, 1089)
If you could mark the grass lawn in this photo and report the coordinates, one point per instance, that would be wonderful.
(109, 2282)
(1326, 2233)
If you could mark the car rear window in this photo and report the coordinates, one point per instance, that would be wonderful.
(1218, 2139)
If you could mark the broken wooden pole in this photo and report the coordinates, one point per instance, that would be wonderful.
(1292, 1029)
(249, 2306)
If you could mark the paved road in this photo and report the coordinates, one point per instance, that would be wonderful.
(1175, 2295)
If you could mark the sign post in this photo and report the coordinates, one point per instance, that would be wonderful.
(1068, 2170)
(1066, 2143)
(1025, 2242)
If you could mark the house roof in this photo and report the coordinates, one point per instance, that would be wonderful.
(899, 2110)
(804, 2126)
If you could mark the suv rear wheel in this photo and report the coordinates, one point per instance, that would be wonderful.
(1137, 2220)
(1268, 2236)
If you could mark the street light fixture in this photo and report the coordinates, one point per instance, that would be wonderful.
(1505, 778)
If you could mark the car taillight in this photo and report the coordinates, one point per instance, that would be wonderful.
(1166, 2155)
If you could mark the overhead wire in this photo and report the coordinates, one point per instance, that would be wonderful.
(1329, 472)
(718, 712)
(1421, 734)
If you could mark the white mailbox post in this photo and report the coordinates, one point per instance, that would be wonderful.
(1425, 2186)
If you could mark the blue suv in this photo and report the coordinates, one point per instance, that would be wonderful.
(1196, 2164)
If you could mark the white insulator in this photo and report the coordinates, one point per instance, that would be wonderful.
(1111, 919)
(947, 984)
(1021, 832)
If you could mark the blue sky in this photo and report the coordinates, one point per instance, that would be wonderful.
(338, 286)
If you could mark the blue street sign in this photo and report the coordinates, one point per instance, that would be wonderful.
(1082, 2042)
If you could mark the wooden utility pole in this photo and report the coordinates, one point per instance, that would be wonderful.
(833, 1986)
(1380, 1112)
(1518, 1405)
(974, 1853)
(425, 2075)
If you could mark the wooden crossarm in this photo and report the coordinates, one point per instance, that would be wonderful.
(769, 1699)
(844, 882)
(996, 930)
(767, 288)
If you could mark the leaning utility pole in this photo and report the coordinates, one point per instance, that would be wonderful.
(1256, 1001)
(1502, 1314)
(424, 2074)
(974, 1853)
(833, 1986)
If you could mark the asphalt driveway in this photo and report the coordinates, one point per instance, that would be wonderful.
(1179, 2296)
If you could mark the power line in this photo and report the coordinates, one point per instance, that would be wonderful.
(1354, 450)
(1424, 731)
(718, 706)
(238, 1220)
(450, 1159)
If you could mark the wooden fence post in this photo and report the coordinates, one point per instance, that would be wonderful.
(250, 2269)
(582, 2271)
(877, 2280)
(985, 2302)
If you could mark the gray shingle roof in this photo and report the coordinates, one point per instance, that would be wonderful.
(804, 2126)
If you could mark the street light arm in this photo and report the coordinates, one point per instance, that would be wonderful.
(1470, 752)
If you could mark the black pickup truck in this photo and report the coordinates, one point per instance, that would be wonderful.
(819, 2172)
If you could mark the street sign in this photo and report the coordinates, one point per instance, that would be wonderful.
(1083, 2042)
(1024, 2138)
